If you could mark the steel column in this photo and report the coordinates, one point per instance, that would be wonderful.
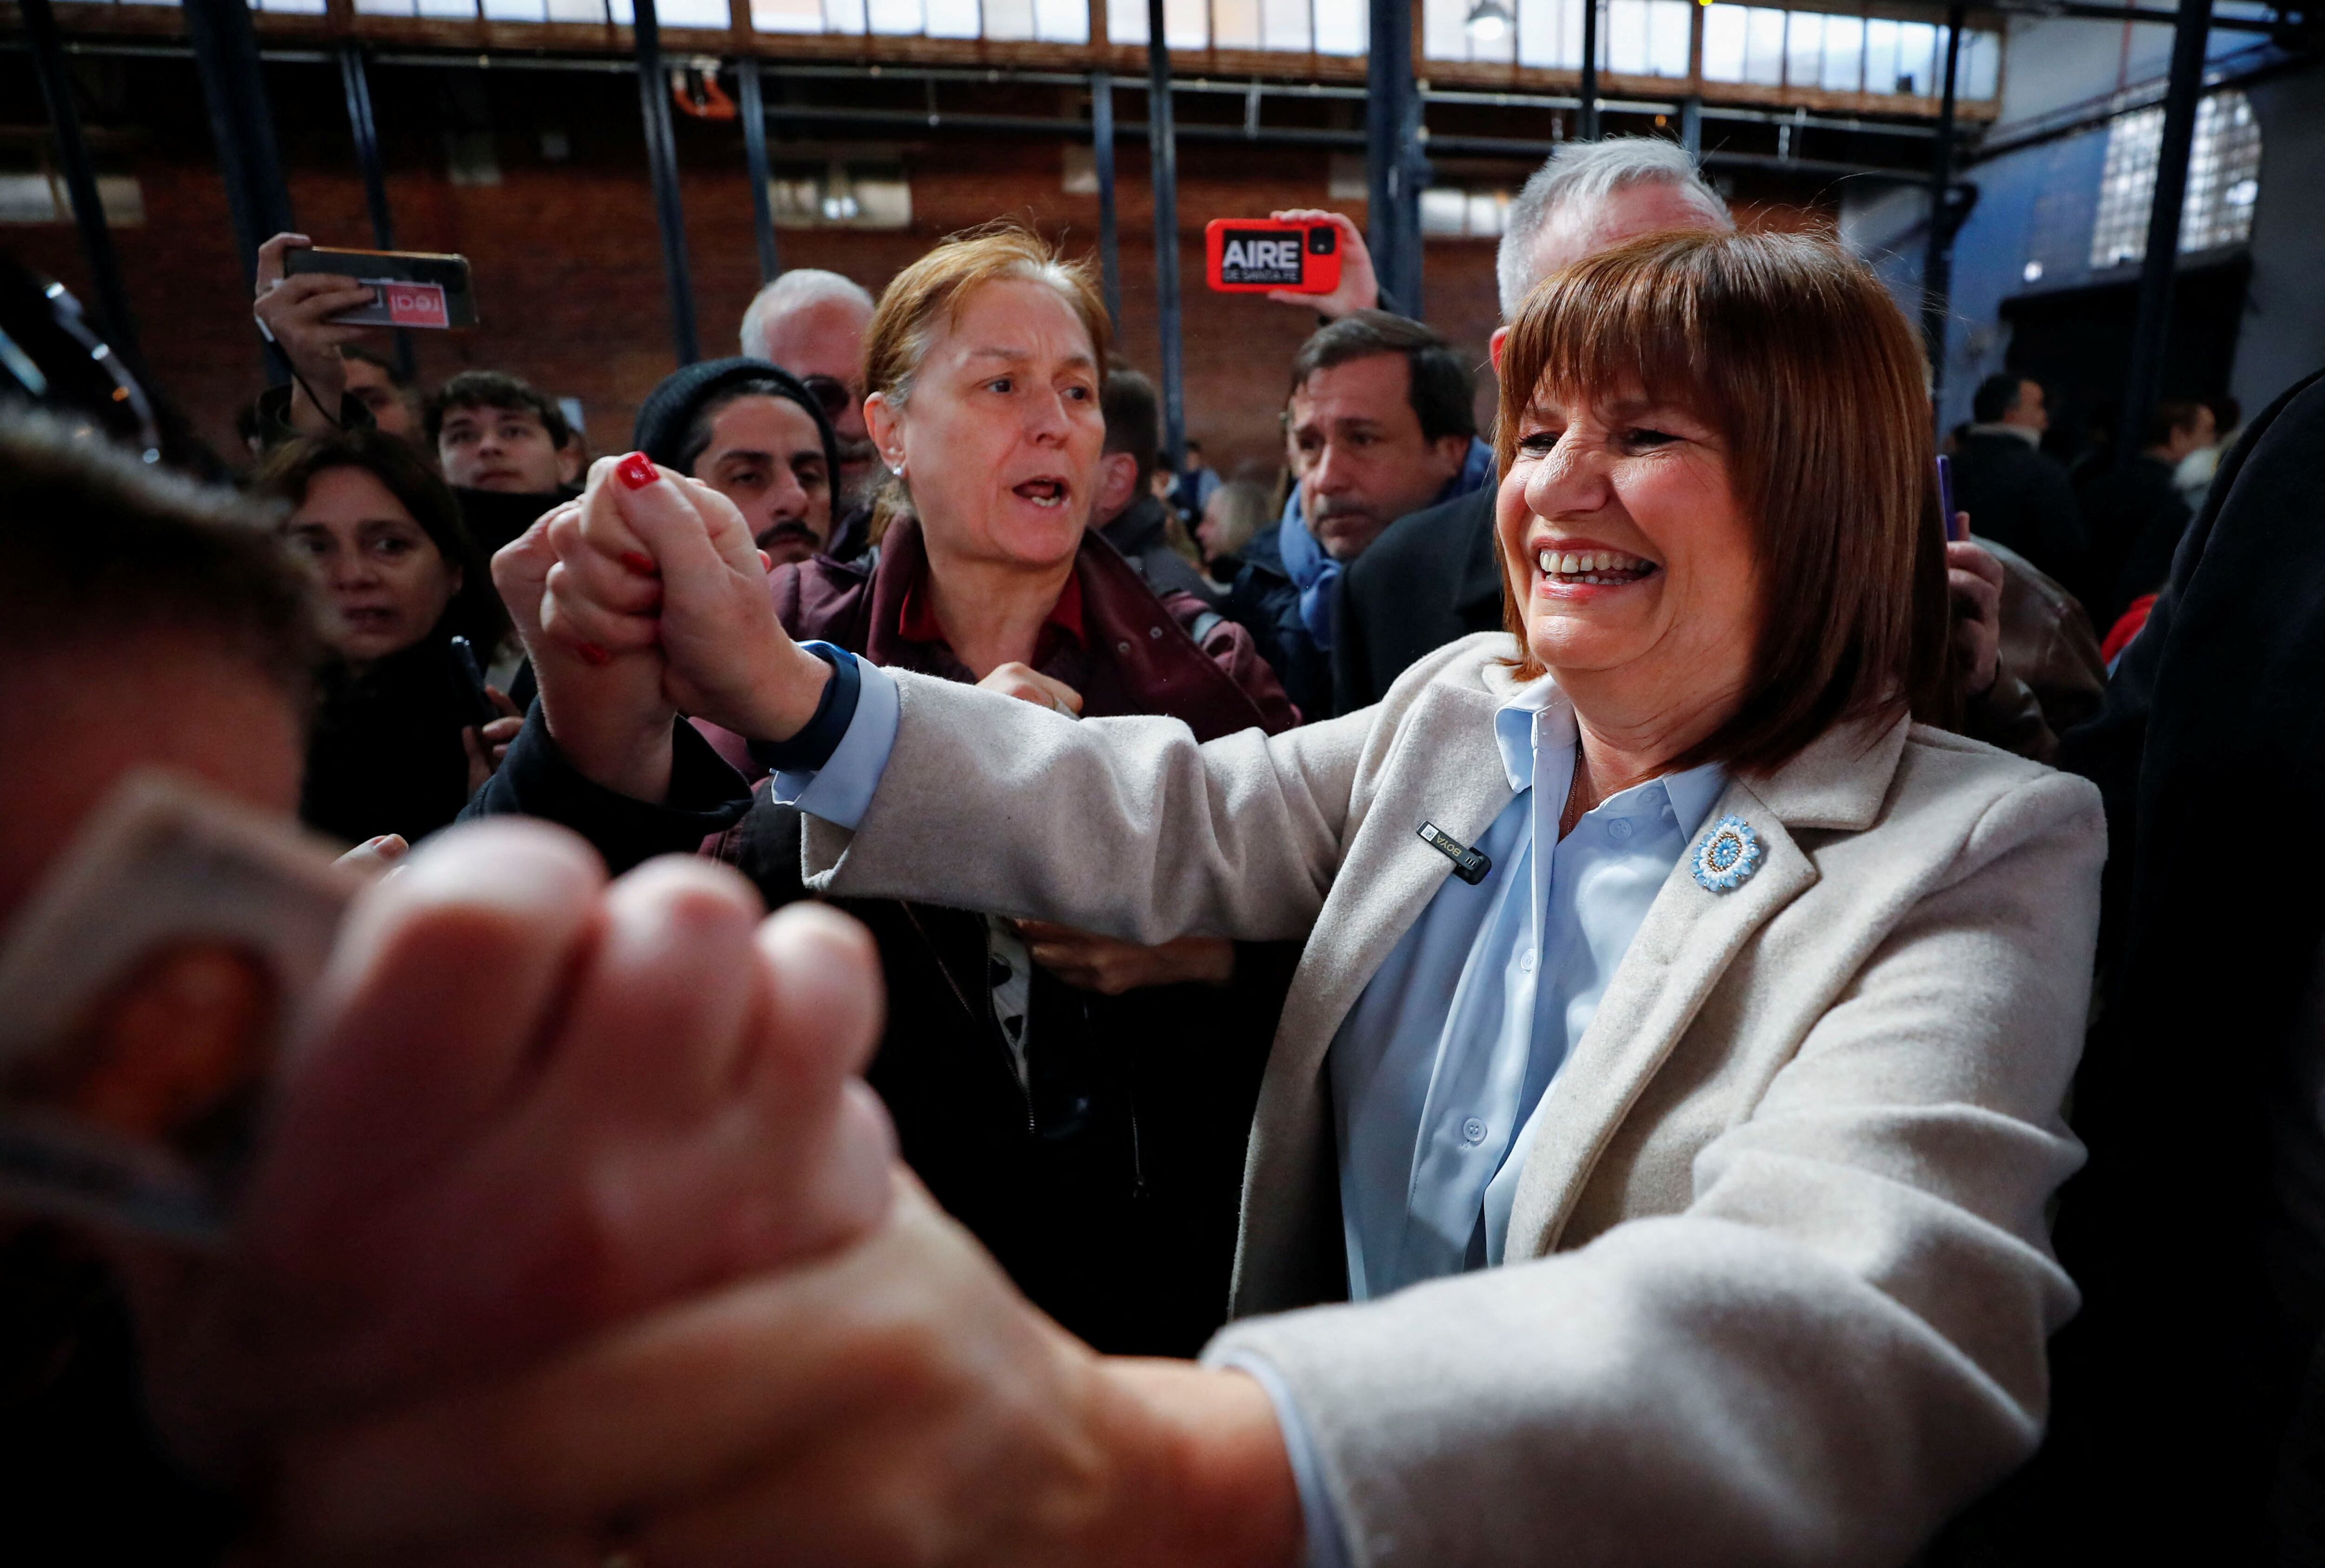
(2151, 332)
(1163, 151)
(1109, 249)
(80, 184)
(225, 54)
(355, 77)
(1394, 168)
(1589, 118)
(1691, 126)
(755, 159)
(1938, 258)
(662, 161)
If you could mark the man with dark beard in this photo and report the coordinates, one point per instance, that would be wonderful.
(757, 436)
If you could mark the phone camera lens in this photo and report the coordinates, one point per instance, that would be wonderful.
(1321, 239)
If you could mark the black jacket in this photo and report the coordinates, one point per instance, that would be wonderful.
(1264, 601)
(1141, 533)
(2176, 1383)
(1429, 579)
(385, 754)
(2135, 517)
(2021, 499)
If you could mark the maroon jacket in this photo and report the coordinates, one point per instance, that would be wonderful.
(1139, 652)
(1106, 1183)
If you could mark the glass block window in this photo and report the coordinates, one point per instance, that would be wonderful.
(2223, 180)
(2223, 174)
(2126, 188)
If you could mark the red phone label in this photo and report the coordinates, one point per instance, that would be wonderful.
(1255, 255)
(415, 304)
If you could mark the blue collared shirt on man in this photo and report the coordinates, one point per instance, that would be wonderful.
(1440, 1070)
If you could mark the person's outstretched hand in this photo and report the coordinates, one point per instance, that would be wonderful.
(894, 1401)
(1359, 287)
(525, 1105)
(655, 562)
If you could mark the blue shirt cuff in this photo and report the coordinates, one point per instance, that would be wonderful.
(1327, 1547)
(840, 791)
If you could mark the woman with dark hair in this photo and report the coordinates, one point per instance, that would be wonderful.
(401, 739)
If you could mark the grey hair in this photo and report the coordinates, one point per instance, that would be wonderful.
(793, 291)
(1589, 171)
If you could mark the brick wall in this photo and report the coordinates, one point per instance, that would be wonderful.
(567, 265)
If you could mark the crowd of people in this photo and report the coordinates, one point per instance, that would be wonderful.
(1489, 992)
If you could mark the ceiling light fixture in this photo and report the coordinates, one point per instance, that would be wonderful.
(1489, 21)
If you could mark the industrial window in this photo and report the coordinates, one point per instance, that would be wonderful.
(1287, 26)
(1005, 20)
(2223, 180)
(840, 194)
(1762, 46)
(1635, 37)
(39, 196)
(1456, 212)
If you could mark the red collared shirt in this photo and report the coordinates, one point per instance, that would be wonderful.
(916, 622)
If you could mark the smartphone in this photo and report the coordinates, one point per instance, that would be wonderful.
(1255, 256)
(473, 676)
(1955, 532)
(410, 288)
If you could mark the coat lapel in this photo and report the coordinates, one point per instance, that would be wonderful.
(1446, 769)
(1687, 942)
(1443, 767)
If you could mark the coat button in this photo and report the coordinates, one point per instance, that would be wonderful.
(1156, 632)
(1122, 648)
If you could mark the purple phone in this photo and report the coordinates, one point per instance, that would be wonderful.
(1955, 532)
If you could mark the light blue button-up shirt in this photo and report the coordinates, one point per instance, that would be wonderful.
(1441, 1067)
(1439, 1073)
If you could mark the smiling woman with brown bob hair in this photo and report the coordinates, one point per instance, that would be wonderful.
(1815, 389)
(1671, 1080)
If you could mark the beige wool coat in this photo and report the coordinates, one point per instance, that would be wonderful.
(1780, 1279)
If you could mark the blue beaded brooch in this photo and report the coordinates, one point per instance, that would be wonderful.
(1727, 855)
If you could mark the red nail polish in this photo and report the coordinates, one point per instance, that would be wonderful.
(642, 565)
(636, 472)
(591, 654)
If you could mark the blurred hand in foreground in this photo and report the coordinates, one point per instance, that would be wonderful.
(524, 1105)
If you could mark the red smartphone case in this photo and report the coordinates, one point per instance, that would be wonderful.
(1256, 255)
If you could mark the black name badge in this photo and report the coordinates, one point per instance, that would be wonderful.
(1468, 864)
(1269, 257)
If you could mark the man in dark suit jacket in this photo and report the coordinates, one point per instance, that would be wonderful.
(2016, 495)
(2190, 1380)
(2136, 513)
(1430, 578)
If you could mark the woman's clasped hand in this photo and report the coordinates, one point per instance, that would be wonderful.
(643, 599)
